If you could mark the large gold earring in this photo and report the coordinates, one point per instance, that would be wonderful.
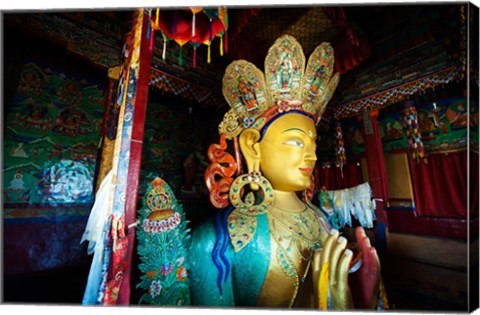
(250, 206)
(242, 222)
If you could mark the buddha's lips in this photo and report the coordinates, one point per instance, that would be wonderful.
(306, 169)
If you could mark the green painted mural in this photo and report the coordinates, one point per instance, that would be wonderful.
(51, 137)
(442, 124)
(176, 140)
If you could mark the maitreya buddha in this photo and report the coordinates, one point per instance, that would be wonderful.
(268, 246)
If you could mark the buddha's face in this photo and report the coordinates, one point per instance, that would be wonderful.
(288, 152)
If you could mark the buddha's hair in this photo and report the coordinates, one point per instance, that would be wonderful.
(263, 131)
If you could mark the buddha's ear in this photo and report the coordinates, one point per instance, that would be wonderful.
(250, 148)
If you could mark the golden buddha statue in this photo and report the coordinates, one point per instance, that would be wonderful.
(269, 246)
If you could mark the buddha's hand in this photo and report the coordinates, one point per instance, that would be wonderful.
(330, 269)
(349, 286)
(364, 282)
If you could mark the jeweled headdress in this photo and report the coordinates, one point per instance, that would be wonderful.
(256, 99)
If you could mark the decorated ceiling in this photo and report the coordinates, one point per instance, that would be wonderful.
(384, 53)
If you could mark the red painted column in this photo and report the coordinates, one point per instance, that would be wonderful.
(140, 106)
(377, 173)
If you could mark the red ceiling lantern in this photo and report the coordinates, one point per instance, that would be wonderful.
(195, 25)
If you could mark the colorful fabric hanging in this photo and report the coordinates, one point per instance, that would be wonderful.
(410, 124)
(109, 265)
(339, 147)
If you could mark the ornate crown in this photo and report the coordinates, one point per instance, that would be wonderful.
(255, 99)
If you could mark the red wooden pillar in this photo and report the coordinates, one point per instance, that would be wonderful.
(109, 278)
(377, 173)
(140, 106)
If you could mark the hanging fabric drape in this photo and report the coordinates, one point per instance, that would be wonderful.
(377, 171)
(351, 49)
(440, 185)
(329, 175)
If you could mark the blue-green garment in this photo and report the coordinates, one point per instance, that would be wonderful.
(212, 255)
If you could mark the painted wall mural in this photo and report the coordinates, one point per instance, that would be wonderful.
(442, 124)
(353, 134)
(50, 144)
(176, 140)
(352, 129)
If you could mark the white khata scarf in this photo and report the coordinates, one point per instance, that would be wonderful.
(356, 201)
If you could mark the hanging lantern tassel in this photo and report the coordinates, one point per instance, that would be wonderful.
(211, 32)
(152, 35)
(221, 45)
(226, 42)
(164, 52)
(180, 57)
(148, 32)
(193, 24)
(157, 15)
(149, 28)
(194, 56)
(208, 53)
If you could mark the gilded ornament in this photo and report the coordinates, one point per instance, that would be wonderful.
(250, 207)
(287, 85)
(230, 125)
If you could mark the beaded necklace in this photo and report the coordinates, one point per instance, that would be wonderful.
(294, 231)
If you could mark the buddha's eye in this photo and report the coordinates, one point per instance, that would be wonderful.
(295, 143)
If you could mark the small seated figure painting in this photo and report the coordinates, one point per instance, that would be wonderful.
(268, 245)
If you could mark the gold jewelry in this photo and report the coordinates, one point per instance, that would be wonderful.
(230, 125)
(241, 229)
(298, 223)
(242, 222)
(297, 234)
(250, 207)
